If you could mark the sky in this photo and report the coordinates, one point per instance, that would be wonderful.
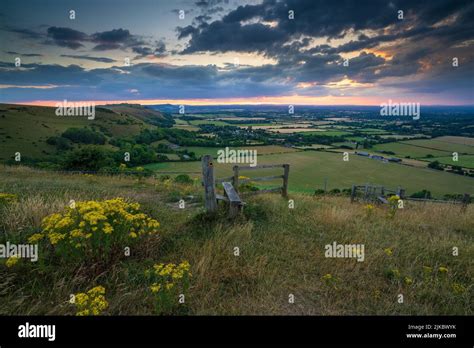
(202, 52)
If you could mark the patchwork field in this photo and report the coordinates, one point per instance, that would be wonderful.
(308, 170)
(438, 149)
(261, 150)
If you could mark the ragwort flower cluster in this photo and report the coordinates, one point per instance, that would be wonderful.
(92, 302)
(95, 227)
(166, 281)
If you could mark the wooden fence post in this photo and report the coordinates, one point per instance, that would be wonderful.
(235, 179)
(465, 201)
(209, 183)
(286, 173)
(353, 193)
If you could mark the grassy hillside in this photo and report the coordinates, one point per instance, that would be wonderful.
(140, 112)
(308, 170)
(281, 253)
(25, 129)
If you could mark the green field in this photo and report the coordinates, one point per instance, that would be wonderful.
(308, 170)
(466, 161)
(403, 150)
(442, 145)
(421, 148)
(209, 122)
(261, 150)
(331, 133)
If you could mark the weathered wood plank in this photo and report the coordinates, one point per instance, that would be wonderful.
(230, 192)
(209, 183)
(235, 203)
(235, 178)
(221, 198)
(286, 173)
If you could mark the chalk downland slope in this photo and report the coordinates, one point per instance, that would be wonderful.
(25, 129)
(282, 252)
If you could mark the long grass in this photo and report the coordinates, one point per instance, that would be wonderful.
(281, 252)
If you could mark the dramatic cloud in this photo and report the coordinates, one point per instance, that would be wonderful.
(351, 47)
(94, 59)
(67, 37)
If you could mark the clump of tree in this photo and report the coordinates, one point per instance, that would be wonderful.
(421, 194)
(436, 165)
(84, 136)
(91, 158)
(183, 179)
(61, 143)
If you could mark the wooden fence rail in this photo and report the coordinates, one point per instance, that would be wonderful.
(231, 184)
(283, 189)
(370, 194)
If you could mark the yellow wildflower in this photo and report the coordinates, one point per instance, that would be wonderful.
(34, 238)
(11, 261)
(388, 251)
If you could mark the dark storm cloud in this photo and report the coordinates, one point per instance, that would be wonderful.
(24, 54)
(66, 37)
(288, 41)
(107, 40)
(334, 19)
(159, 50)
(186, 31)
(94, 59)
(39, 74)
(24, 32)
(223, 36)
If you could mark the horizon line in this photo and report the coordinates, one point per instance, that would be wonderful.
(207, 102)
(216, 104)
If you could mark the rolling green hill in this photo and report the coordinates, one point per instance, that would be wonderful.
(25, 129)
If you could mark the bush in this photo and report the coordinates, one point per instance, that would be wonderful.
(60, 143)
(164, 177)
(95, 230)
(421, 194)
(89, 158)
(183, 179)
(435, 165)
(84, 136)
